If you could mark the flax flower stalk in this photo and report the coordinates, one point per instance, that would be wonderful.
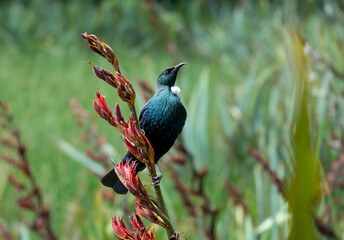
(134, 138)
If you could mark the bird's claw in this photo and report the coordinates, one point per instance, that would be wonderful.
(155, 183)
(156, 180)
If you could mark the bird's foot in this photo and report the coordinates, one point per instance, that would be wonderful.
(157, 179)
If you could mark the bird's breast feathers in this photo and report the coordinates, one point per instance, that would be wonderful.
(164, 110)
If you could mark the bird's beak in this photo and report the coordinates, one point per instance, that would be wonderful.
(178, 66)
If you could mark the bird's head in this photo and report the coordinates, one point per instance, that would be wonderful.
(169, 75)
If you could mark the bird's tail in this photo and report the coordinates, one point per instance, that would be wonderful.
(111, 179)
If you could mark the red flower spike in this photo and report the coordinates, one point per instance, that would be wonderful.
(149, 215)
(36, 191)
(102, 109)
(95, 49)
(125, 229)
(124, 172)
(127, 174)
(13, 161)
(142, 190)
(14, 182)
(109, 78)
(136, 222)
(97, 108)
(85, 36)
(102, 49)
(94, 37)
(121, 79)
(134, 135)
(25, 167)
(146, 214)
(9, 142)
(102, 104)
(149, 148)
(178, 160)
(137, 143)
(109, 54)
(122, 232)
(118, 115)
(105, 75)
(26, 202)
(98, 94)
(6, 106)
(125, 89)
(122, 93)
(97, 71)
(140, 230)
(131, 147)
(119, 169)
(121, 124)
(106, 116)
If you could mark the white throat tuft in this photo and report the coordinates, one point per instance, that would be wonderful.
(176, 90)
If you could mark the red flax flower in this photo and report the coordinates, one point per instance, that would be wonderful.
(137, 143)
(104, 112)
(126, 173)
(144, 202)
(102, 49)
(140, 230)
(144, 210)
(14, 182)
(119, 120)
(125, 90)
(102, 108)
(105, 75)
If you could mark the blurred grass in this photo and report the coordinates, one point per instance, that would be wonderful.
(236, 87)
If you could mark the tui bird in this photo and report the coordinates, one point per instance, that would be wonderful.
(162, 119)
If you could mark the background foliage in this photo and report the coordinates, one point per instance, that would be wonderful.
(238, 88)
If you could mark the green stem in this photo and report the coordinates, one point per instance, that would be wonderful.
(160, 199)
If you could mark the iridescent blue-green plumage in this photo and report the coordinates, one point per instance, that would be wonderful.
(162, 119)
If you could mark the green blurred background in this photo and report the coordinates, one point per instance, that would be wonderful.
(237, 87)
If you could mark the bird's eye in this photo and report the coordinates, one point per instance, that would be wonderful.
(166, 72)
